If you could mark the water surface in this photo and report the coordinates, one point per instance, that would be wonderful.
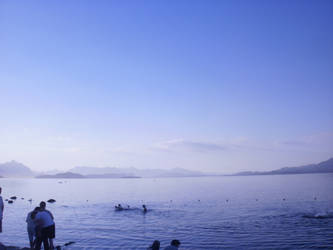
(241, 212)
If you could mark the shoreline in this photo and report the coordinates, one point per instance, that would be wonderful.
(3, 247)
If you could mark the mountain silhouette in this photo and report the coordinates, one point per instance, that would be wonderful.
(15, 169)
(322, 167)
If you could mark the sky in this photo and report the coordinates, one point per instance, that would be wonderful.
(214, 86)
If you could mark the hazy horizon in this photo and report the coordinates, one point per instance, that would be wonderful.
(212, 86)
(129, 167)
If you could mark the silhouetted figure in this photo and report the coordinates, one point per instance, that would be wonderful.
(46, 228)
(155, 246)
(31, 227)
(1, 210)
(173, 245)
(144, 208)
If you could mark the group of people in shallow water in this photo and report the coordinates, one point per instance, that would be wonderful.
(174, 245)
(119, 207)
(41, 228)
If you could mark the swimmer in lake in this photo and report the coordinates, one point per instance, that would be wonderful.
(144, 208)
(118, 207)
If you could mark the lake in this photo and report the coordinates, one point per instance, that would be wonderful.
(236, 212)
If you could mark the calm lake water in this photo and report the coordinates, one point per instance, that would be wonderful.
(245, 212)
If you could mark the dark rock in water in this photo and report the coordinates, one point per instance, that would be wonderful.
(51, 201)
(10, 202)
(13, 197)
(22, 198)
(69, 243)
(65, 245)
(6, 200)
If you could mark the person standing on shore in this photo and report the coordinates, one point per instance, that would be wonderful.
(1, 210)
(31, 227)
(45, 223)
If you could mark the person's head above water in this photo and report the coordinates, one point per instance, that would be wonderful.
(144, 208)
(175, 243)
(42, 205)
(156, 245)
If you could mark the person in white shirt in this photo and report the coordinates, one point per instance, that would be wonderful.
(1, 210)
(173, 245)
(46, 228)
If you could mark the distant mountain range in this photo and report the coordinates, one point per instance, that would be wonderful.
(71, 175)
(322, 167)
(111, 172)
(15, 169)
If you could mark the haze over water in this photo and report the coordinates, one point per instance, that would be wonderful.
(247, 212)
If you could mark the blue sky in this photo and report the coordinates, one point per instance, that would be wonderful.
(216, 86)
